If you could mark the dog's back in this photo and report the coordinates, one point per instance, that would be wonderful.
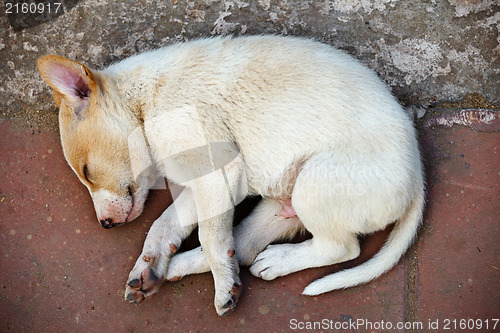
(284, 97)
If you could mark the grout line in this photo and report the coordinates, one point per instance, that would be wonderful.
(410, 315)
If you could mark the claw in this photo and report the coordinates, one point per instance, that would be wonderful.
(262, 271)
(136, 297)
(229, 307)
(228, 304)
(135, 283)
(130, 298)
(257, 260)
(235, 295)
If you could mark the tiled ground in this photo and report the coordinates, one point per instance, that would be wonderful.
(61, 271)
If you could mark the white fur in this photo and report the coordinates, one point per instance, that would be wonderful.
(108, 204)
(307, 122)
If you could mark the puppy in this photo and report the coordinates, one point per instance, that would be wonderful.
(303, 125)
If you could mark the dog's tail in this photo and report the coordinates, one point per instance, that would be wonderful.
(397, 243)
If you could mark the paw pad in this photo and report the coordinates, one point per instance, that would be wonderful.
(136, 284)
(136, 297)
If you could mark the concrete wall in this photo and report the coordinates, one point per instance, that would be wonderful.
(428, 51)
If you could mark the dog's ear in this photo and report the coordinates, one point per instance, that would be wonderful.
(57, 98)
(71, 81)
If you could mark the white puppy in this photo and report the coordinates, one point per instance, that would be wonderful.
(303, 125)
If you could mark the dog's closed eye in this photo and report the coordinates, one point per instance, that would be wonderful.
(86, 173)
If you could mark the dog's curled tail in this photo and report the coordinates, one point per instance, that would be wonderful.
(397, 243)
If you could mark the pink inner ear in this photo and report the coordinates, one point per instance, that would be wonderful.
(69, 82)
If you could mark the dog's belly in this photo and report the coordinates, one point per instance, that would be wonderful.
(287, 210)
(271, 180)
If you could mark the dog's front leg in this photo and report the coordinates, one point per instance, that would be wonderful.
(217, 243)
(214, 196)
(163, 240)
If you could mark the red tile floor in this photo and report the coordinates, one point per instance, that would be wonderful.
(61, 271)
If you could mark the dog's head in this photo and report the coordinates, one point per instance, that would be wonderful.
(95, 125)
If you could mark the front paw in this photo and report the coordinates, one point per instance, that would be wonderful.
(228, 286)
(225, 301)
(148, 274)
(144, 281)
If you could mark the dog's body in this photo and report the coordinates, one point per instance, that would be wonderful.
(301, 124)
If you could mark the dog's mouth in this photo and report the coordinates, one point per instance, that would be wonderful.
(133, 204)
(138, 198)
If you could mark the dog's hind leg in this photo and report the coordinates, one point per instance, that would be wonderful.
(262, 227)
(282, 259)
(335, 200)
(187, 263)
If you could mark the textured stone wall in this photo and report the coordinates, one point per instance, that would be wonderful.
(428, 51)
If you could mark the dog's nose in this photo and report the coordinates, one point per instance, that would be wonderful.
(107, 223)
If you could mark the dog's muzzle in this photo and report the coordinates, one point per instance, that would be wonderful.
(108, 223)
